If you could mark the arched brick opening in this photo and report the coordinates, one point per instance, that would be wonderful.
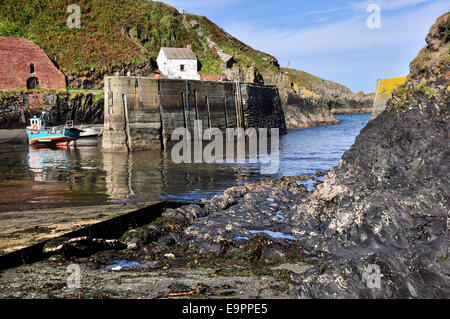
(32, 83)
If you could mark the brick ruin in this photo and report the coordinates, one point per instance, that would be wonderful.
(23, 65)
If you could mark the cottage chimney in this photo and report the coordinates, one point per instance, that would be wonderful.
(189, 47)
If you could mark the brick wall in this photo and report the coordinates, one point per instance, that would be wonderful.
(16, 56)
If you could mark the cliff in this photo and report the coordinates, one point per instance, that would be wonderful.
(16, 108)
(339, 98)
(387, 203)
(384, 208)
(311, 101)
(121, 37)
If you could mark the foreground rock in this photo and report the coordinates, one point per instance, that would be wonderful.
(386, 206)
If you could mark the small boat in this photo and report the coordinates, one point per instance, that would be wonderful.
(40, 133)
(91, 131)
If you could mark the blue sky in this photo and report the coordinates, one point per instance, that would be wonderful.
(327, 38)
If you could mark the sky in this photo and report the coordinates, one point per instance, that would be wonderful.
(339, 41)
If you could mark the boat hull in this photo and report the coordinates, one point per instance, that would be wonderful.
(49, 137)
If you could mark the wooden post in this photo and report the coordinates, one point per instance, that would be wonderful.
(161, 112)
(127, 125)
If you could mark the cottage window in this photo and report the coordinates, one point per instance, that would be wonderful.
(31, 68)
(182, 67)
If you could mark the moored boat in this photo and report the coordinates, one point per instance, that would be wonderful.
(91, 131)
(40, 133)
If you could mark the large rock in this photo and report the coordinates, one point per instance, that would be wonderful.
(387, 203)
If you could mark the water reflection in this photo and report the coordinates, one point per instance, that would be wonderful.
(84, 175)
(136, 176)
(43, 161)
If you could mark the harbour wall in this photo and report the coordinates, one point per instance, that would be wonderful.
(142, 113)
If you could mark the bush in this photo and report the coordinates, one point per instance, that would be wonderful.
(11, 29)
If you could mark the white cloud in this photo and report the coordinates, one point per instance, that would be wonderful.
(385, 4)
(343, 36)
(323, 11)
(348, 52)
(317, 20)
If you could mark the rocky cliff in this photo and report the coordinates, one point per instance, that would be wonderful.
(387, 203)
(311, 101)
(16, 108)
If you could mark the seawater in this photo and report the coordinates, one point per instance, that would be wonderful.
(34, 178)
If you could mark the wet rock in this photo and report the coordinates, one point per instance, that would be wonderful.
(275, 253)
(319, 174)
(167, 224)
(255, 247)
(186, 213)
(81, 246)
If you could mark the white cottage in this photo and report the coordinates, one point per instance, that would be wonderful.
(178, 63)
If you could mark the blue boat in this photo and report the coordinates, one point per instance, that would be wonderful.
(41, 133)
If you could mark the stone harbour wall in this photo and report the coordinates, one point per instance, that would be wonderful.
(142, 113)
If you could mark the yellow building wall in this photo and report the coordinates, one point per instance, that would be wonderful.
(386, 86)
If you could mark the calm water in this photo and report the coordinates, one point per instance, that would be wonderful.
(41, 178)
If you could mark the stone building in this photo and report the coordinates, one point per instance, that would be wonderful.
(178, 63)
(23, 65)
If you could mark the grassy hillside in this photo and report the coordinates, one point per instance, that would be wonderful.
(119, 34)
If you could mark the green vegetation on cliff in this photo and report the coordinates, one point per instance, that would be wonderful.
(118, 35)
(430, 73)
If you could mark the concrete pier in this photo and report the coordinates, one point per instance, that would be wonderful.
(141, 113)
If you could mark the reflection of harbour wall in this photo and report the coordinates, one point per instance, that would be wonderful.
(140, 113)
(384, 93)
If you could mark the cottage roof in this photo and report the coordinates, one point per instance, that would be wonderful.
(179, 53)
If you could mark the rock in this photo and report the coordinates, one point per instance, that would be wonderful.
(319, 174)
(385, 207)
(132, 246)
(185, 213)
(387, 203)
(255, 247)
(82, 108)
(81, 246)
